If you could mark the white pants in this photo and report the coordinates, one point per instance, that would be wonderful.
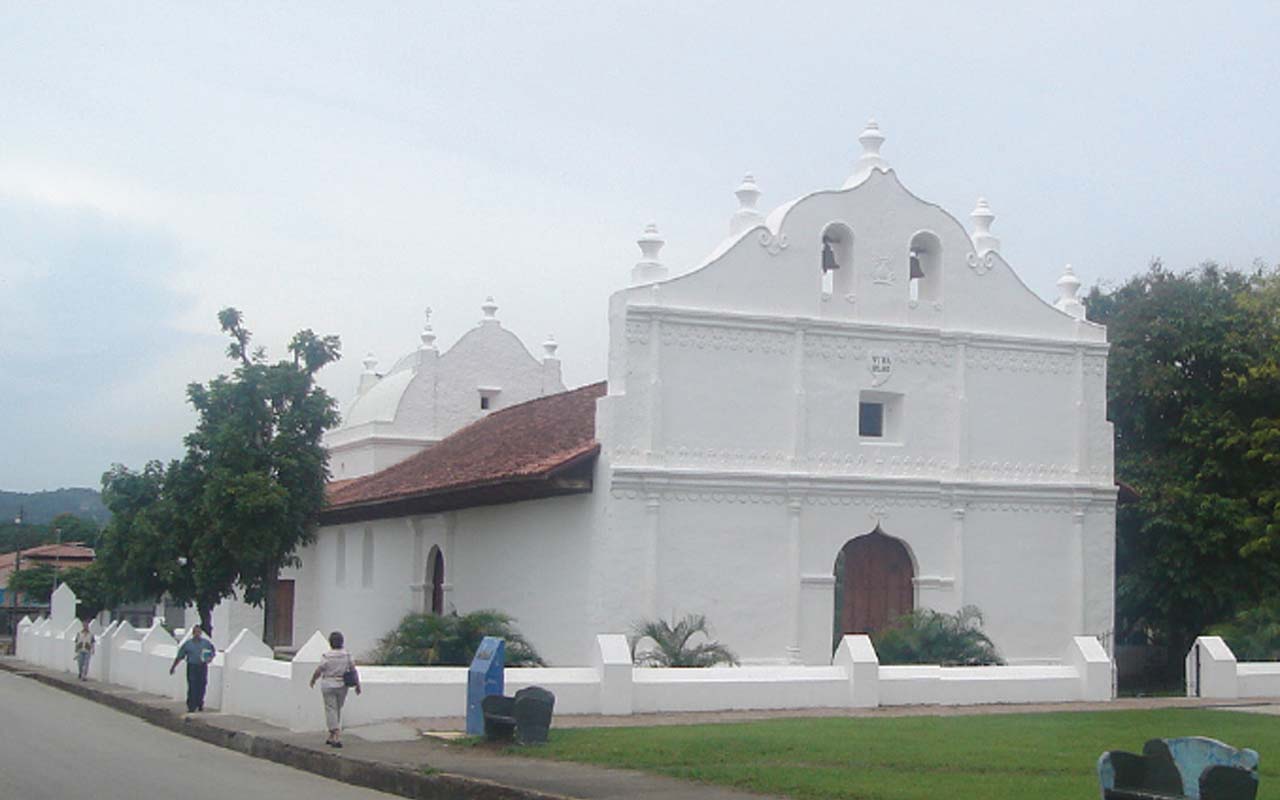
(333, 700)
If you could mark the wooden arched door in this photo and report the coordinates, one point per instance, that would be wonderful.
(877, 585)
(437, 581)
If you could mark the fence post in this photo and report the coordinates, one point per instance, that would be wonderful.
(307, 712)
(858, 657)
(246, 645)
(612, 658)
(1091, 663)
(1211, 669)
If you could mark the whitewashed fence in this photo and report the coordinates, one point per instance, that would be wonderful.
(1212, 671)
(245, 679)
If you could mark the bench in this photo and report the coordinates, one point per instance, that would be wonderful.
(1186, 767)
(525, 717)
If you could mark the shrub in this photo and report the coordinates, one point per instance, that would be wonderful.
(931, 637)
(1253, 634)
(671, 646)
(451, 640)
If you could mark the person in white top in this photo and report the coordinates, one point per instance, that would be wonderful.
(336, 673)
(84, 648)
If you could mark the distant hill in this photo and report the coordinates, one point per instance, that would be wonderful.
(39, 508)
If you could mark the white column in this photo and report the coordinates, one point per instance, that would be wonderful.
(957, 551)
(962, 412)
(652, 552)
(1076, 571)
(798, 411)
(794, 505)
(1081, 418)
(655, 453)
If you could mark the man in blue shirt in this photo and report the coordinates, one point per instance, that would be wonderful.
(198, 651)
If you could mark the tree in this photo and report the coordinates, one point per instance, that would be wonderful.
(93, 589)
(71, 528)
(451, 640)
(671, 647)
(255, 465)
(149, 547)
(34, 582)
(1192, 387)
(247, 493)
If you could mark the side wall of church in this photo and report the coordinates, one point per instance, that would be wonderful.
(527, 560)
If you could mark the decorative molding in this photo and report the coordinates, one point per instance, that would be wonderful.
(707, 337)
(981, 264)
(724, 457)
(825, 345)
(812, 579)
(774, 245)
(1019, 360)
(1019, 472)
(637, 331)
(882, 272)
(1095, 366)
(934, 582)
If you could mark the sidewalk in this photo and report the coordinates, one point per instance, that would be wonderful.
(396, 758)
(391, 757)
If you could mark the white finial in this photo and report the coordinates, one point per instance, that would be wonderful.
(550, 346)
(370, 361)
(747, 216)
(871, 139)
(369, 377)
(982, 217)
(649, 269)
(1068, 287)
(428, 336)
(490, 309)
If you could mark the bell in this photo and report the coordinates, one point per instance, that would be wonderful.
(828, 257)
(916, 271)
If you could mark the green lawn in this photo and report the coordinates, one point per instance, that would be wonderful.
(1023, 756)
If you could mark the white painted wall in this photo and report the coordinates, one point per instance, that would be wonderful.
(244, 680)
(732, 470)
(1213, 671)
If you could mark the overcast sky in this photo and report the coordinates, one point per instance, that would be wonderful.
(341, 166)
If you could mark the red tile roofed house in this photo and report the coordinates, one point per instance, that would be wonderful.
(61, 556)
(393, 542)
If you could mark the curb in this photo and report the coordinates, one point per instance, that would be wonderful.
(379, 776)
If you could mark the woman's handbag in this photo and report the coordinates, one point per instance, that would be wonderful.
(350, 677)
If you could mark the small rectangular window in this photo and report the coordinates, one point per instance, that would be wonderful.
(366, 571)
(484, 403)
(871, 419)
(340, 563)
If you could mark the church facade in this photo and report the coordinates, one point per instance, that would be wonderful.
(853, 408)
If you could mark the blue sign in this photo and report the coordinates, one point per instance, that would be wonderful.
(484, 677)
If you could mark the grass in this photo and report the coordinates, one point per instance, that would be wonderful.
(1021, 756)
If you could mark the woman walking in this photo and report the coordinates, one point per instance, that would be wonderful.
(336, 673)
(84, 649)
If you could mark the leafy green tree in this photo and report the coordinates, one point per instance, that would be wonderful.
(926, 636)
(93, 589)
(68, 527)
(1254, 633)
(35, 583)
(255, 463)
(1192, 388)
(246, 495)
(451, 640)
(671, 643)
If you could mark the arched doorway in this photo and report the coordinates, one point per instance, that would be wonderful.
(873, 583)
(435, 579)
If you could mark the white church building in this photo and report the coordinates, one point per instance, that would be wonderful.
(852, 408)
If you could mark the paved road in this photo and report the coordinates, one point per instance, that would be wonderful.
(56, 746)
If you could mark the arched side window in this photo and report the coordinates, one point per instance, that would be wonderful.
(435, 580)
(924, 265)
(837, 260)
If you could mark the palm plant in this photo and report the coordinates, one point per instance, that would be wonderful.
(671, 647)
(451, 640)
(926, 636)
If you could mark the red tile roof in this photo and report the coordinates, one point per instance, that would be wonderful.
(512, 454)
(73, 551)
